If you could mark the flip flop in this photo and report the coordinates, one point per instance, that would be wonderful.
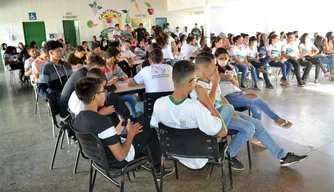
(285, 125)
(258, 143)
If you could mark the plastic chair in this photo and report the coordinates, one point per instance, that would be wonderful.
(92, 147)
(149, 100)
(192, 143)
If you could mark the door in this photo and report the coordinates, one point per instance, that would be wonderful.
(34, 31)
(162, 21)
(70, 32)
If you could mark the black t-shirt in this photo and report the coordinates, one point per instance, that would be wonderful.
(140, 33)
(103, 128)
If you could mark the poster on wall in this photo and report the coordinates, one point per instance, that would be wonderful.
(109, 18)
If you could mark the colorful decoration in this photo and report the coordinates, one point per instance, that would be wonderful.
(136, 4)
(95, 7)
(127, 18)
(150, 9)
(91, 24)
(109, 18)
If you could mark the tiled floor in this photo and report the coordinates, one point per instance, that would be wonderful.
(26, 145)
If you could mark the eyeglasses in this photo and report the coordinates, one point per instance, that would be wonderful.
(193, 79)
(104, 91)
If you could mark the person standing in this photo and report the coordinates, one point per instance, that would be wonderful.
(140, 32)
(196, 32)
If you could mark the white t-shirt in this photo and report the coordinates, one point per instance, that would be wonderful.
(290, 49)
(274, 50)
(167, 50)
(281, 43)
(74, 104)
(214, 50)
(186, 114)
(226, 86)
(251, 53)
(306, 48)
(185, 33)
(117, 33)
(140, 51)
(28, 62)
(156, 77)
(128, 54)
(239, 53)
(208, 86)
(187, 51)
(177, 34)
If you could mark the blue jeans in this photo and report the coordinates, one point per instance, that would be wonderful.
(171, 62)
(285, 67)
(244, 70)
(249, 127)
(329, 60)
(256, 105)
(131, 99)
(140, 107)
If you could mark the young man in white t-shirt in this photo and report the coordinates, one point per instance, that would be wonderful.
(28, 63)
(189, 50)
(177, 111)
(246, 125)
(157, 77)
(291, 53)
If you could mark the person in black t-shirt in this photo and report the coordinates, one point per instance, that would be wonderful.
(140, 32)
(119, 151)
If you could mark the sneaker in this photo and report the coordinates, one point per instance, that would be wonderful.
(304, 82)
(244, 86)
(256, 87)
(260, 78)
(236, 164)
(167, 172)
(269, 86)
(291, 158)
(300, 84)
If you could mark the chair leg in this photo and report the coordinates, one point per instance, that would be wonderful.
(249, 155)
(176, 170)
(76, 161)
(122, 184)
(36, 104)
(94, 178)
(128, 176)
(210, 172)
(223, 176)
(162, 171)
(62, 140)
(55, 149)
(133, 174)
(230, 167)
(67, 138)
(90, 177)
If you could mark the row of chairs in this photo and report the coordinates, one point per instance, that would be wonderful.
(205, 146)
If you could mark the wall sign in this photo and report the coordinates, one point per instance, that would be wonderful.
(32, 16)
(69, 15)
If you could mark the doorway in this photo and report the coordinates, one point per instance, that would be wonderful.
(162, 21)
(34, 31)
(71, 32)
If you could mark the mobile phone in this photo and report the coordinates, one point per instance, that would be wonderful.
(124, 123)
(228, 72)
(120, 79)
(135, 120)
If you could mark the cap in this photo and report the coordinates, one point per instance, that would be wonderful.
(222, 35)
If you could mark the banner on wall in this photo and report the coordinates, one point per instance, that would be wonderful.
(109, 18)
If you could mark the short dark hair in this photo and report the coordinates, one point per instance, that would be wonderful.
(177, 27)
(156, 56)
(207, 49)
(117, 25)
(182, 70)
(114, 44)
(140, 23)
(96, 60)
(282, 33)
(112, 52)
(86, 88)
(83, 42)
(97, 73)
(28, 48)
(244, 35)
(253, 38)
(190, 39)
(95, 46)
(204, 58)
(128, 41)
(79, 48)
(33, 43)
(236, 38)
(52, 45)
(220, 51)
(290, 33)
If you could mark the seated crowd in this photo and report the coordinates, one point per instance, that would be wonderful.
(203, 82)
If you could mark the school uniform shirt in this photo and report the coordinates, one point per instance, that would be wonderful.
(251, 53)
(112, 71)
(140, 51)
(128, 54)
(75, 104)
(187, 51)
(37, 65)
(240, 53)
(167, 31)
(104, 129)
(185, 33)
(274, 50)
(53, 78)
(156, 77)
(28, 62)
(186, 114)
(117, 33)
(208, 85)
(262, 51)
(226, 86)
(167, 50)
(177, 34)
(290, 49)
(306, 48)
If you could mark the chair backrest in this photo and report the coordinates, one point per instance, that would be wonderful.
(188, 143)
(149, 100)
(53, 101)
(92, 147)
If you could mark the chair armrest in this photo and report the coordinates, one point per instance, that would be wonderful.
(135, 163)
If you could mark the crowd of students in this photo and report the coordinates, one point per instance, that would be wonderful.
(84, 80)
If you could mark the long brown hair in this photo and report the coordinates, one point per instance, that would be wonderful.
(160, 37)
